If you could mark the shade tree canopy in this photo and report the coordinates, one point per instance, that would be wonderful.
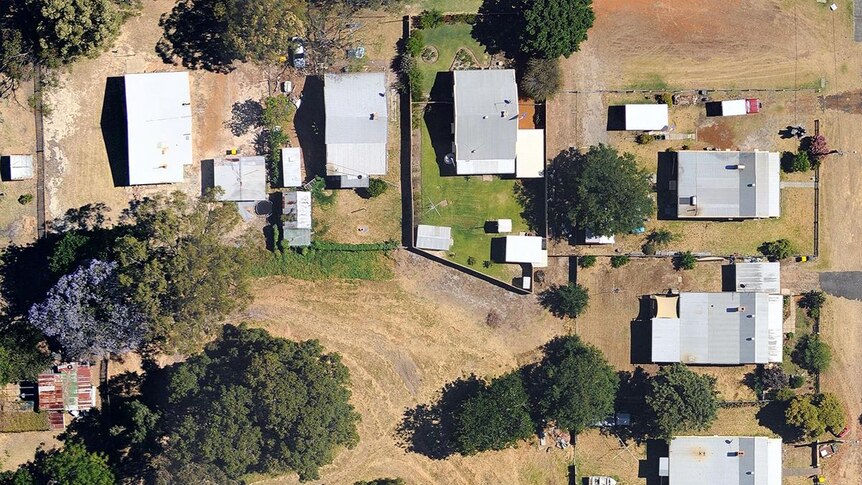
(72, 465)
(495, 417)
(87, 313)
(682, 400)
(814, 414)
(601, 191)
(255, 403)
(575, 385)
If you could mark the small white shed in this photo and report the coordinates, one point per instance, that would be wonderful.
(434, 238)
(291, 166)
(646, 117)
(20, 167)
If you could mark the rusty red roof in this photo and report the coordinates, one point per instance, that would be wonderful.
(67, 389)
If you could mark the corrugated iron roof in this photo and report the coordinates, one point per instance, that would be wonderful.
(713, 184)
(758, 277)
(486, 121)
(729, 460)
(357, 123)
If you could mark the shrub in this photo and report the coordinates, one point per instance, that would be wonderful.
(684, 261)
(471, 260)
(817, 149)
(776, 250)
(542, 78)
(813, 354)
(587, 261)
(318, 192)
(774, 377)
(664, 98)
(566, 301)
(796, 381)
(784, 394)
(415, 44)
(661, 237)
(376, 187)
(644, 138)
(619, 261)
(800, 163)
(812, 300)
(25, 199)
(429, 19)
(648, 248)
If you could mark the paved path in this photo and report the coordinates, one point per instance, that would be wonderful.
(801, 472)
(796, 185)
(847, 284)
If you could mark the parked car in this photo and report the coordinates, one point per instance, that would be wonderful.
(299, 56)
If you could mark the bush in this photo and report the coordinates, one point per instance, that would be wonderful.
(784, 394)
(777, 250)
(664, 98)
(318, 192)
(644, 138)
(661, 237)
(471, 260)
(542, 79)
(813, 354)
(800, 162)
(376, 187)
(774, 378)
(587, 261)
(812, 300)
(684, 261)
(566, 301)
(648, 248)
(796, 381)
(415, 44)
(817, 149)
(619, 261)
(429, 19)
(25, 199)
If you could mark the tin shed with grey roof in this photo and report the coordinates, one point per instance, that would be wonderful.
(434, 238)
(758, 277)
(357, 124)
(727, 185)
(486, 122)
(16, 167)
(242, 179)
(725, 460)
(720, 329)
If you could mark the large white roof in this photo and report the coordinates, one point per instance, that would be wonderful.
(728, 460)
(357, 123)
(526, 249)
(159, 121)
(486, 121)
(733, 107)
(646, 117)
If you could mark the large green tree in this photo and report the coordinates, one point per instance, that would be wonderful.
(813, 354)
(602, 191)
(813, 414)
(180, 269)
(21, 353)
(73, 465)
(682, 400)
(66, 30)
(494, 418)
(255, 403)
(554, 28)
(575, 384)
(260, 30)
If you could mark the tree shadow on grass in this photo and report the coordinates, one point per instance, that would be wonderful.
(550, 299)
(196, 34)
(500, 26)
(631, 398)
(772, 416)
(530, 194)
(429, 429)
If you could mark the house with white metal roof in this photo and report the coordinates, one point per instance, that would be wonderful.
(646, 117)
(718, 328)
(761, 277)
(357, 125)
(159, 126)
(727, 185)
(725, 460)
(486, 121)
(242, 179)
(520, 249)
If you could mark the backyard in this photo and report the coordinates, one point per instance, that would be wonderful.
(464, 203)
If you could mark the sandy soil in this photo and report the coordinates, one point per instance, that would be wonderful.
(17, 137)
(19, 448)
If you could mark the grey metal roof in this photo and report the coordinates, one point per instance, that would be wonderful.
(713, 184)
(20, 166)
(728, 460)
(486, 121)
(435, 238)
(241, 178)
(357, 123)
(758, 277)
(722, 329)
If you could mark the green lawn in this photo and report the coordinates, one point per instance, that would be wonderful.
(469, 203)
(448, 39)
(451, 6)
